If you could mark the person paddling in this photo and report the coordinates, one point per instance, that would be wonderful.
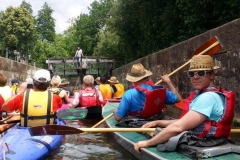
(117, 87)
(134, 101)
(208, 112)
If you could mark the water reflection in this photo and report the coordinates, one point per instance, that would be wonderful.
(90, 146)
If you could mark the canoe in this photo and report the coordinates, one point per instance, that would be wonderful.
(128, 139)
(17, 144)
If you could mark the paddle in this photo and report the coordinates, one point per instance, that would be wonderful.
(9, 122)
(210, 47)
(65, 130)
(72, 113)
(65, 114)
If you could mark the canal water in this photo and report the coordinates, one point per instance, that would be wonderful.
(90, 146)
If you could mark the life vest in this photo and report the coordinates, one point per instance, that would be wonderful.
(1, 102)
(37, 108)
(105, 89)
(89, 98)
(120, 90)
(223, 127)
(6, 92)
(57, 91)
(154, 101)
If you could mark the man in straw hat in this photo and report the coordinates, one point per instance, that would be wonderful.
(118, 88)
(133, 100)
(208, 111)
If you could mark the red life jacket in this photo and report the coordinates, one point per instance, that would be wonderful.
(224, 125)
(1, 102)
(89, 98)
(154, 101)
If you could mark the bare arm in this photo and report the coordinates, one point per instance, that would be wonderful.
(191, 120)
(117, 118)
(167, 80)
(159, 123)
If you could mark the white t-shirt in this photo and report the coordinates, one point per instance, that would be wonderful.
(79, 53)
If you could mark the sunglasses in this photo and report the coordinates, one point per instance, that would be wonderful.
(199, 73)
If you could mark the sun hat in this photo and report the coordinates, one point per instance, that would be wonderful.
(42, 76)
(29, 80)
(64, 81)
(113, 79)
(137, 73)
(202, 63)
(97, 79)
(15, 80)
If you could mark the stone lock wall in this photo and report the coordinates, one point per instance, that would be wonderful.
(169, 59)
(13, 69)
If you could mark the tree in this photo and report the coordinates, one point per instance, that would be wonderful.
(27, 6)
(45, 24)
(17, 29)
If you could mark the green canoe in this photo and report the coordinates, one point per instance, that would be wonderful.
(128, 139)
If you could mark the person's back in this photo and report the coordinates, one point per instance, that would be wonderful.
(55, 82)
(105, 88)
(88, 96)
(138, 100)
(118, 88)
(37, 106)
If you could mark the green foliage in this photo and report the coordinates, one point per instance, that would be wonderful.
(17, 29)
(45, 23)
(27, 6)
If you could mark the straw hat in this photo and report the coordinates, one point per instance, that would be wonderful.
(113, 80)
(64, 81)
(202, 63)
(97, 79)
(138, 72)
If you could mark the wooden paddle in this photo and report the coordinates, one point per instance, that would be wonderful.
(65, 130)
(210, 47)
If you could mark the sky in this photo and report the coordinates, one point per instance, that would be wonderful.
(63, 10)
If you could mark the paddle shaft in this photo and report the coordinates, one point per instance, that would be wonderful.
(103, 120)
(203, 52)
(130, 130)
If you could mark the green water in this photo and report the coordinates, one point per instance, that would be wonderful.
(90, 146)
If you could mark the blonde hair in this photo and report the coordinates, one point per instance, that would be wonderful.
(88, 80)
(56, 80)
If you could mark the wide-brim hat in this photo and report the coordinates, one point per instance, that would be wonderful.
(202, 63)
(97, 79)
(137, 73)
(64, 82)
(113, 80)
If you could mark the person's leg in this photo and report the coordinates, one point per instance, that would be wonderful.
(78, 62)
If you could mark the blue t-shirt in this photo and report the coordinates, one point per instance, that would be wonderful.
(133, 100)
(209, 104)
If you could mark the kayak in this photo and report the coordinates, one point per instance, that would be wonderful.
(18, 144)
(128, 139)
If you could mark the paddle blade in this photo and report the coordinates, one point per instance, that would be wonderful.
(206, 44)
(180, 104)
(53, 130)
(72, 113)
